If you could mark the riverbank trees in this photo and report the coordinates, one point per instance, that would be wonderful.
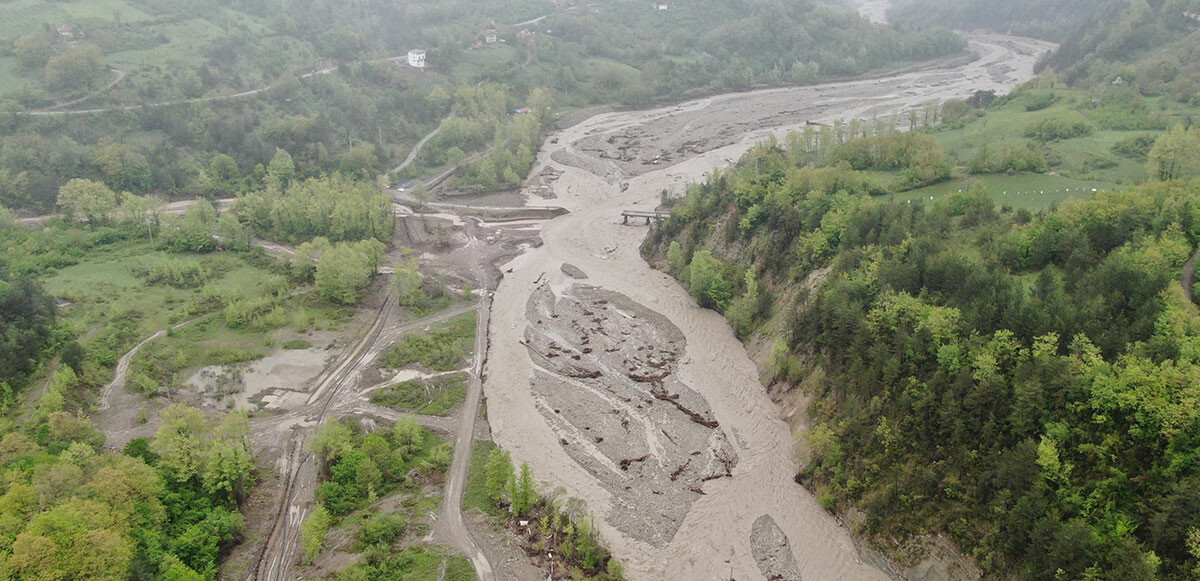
(1021, 383)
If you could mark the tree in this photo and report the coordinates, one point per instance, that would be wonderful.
(406, 283)
(707, 284)
(313, 531)
(190, 84)
(359, 161)
(181, 442)
(226, 470)
(498, 473)
(72, 540)
(541, 104)
(34, 49)
(224, 172)
(523, 492)
(27, 318)
(123, 168)
(175, 570)
(331, 441)
(421, 194)
(744, 309)
(76, 69)
(408, 436)
(675, 258)
(1175, 154)
(282, 168)
(342, 272)
(85, 200)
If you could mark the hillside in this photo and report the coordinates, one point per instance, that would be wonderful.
(1024, 384)
(1150, 46)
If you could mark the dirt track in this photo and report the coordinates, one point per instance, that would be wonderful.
(607, 166)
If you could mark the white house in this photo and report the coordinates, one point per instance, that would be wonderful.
(416, 58)
(489, 35)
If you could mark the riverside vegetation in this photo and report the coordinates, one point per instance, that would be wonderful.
(302, 159)
(551, 530)
(1023, 383)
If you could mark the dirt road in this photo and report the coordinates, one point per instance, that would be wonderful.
(608, 165)
(451, 521)
(334, 395)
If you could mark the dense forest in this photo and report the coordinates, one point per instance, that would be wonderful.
(165, 508)
(1023, 383)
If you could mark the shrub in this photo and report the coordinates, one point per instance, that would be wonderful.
(313, 531)
(295, 344)
(1058, 128)
(382, 529)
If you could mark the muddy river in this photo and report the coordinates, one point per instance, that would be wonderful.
(619, 390)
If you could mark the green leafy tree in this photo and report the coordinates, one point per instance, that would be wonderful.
(1175, 154)
(181, 442)
(523, 492)
(86, 200)
(282, 168)
(498, 473)
(224, 172)
(33, 50)
(675, 258)
(123, 167)
(408, 436)
(332, 439)
(707, 284)
(313, 531)
(77, 69)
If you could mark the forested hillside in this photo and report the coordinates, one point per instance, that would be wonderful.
(1025, 384)
(333, 101)
(1150, 46)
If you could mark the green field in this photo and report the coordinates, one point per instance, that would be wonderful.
(105, 284)
(485, 62)
(20, 17)
(112, 308)
(1028, 191)
(1113, 117)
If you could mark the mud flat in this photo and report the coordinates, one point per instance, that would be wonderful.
(276, 382)
(607, 386)
(608, 164)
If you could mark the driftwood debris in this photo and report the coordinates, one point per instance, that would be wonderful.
(628, 461)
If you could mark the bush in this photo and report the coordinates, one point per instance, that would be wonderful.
(1058, 128)
(442, 349)
(313, 531)
(296, 344)
(434, 396)
(1136, 147)
(1040, 102)
(382, 529)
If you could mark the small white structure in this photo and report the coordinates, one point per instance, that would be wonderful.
(416, 58)
(489, 35)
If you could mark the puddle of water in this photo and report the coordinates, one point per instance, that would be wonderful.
(287, 372)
